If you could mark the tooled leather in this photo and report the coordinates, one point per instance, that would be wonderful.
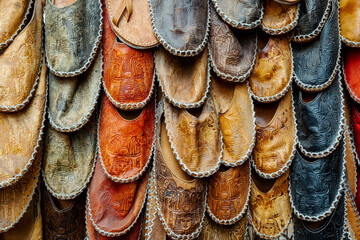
(182, 24)
(69, 159)
(137, 30)
(332, 229)
(71, 34)
(232, 52)
(228, 192)
(271, 211)
(182, 79)
(21, 133)
(351, 65)
(273, 69)
(309, 57)
(275, 142)
(128, 73)
(126, 145)
(21, 61)
(277, 15)
(197, 140)
(319, 121)
(213, 231)
(315, 185)
(114, 207)
(350, 20)
(72, 99)
(67, 223)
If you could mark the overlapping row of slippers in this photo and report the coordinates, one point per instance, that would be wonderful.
(179, 119)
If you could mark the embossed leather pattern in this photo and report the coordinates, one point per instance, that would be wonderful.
(350, 21)
(180, 26)
(134, 27)
(274, 147)
(232, 52)
(125, 146)
(72, 34)
(271, 211)
(21, 61)
(273, 70)
(331, 229)
(196, 141)
(309, 57)
(228, 194)
(128, 73)
(315, 184)
(72, 100)
(351, 63)
(319, 121)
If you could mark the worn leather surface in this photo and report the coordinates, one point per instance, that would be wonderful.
(232, 51)
(356, 126)
(128, 73)
(352, 217)
(235, 113)
(352, 70)
(242, 11)
(277, 15)
(315, 184)
(126, 145)
(309, 57)
(273, 68)
(311, 13)
(20, 62)
(182, 79)
(275, 141)
(213, 231)
(180, 197)
(350, 19)
(71, 34)
(20, 132)
(12, 18)
(69, 159)
(115, 206)
(132, 26)
(182, 24)
(71, 100)
(197, 140)
(331, 229)
(66, 223)
(319, 120)
(271, 211)
(350, 162)
(30, 225)
(228, 192)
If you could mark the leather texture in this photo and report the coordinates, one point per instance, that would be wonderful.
(315, 184)
(232, 52)
(15, 199)
(21, 134)
(114, 207)
(128, 73)
(213, 231)
(125, 146)
(352, 214)
(350, 20)
(271, 211)
(351, 63)
(196, 140)
(228, 194)
(236, 117)
(69, 160)
(21, 61)
(184, 80)
(72, 100)
(273, 69)
(356, 126)
(275, 142)
(331, 229)
(180, 25)
(320, 120)
(309, 57)
(350, 160)
(72, 35)
(66, 223)
(278, 15)
(131, 22)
